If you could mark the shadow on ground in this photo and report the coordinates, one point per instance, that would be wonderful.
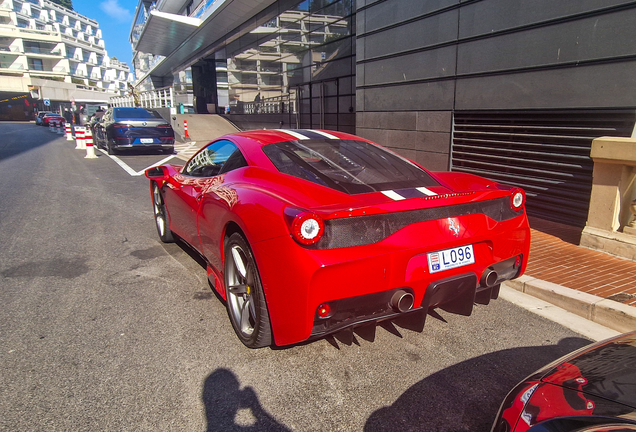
(229, 408)
(462, 397)
(467, 395)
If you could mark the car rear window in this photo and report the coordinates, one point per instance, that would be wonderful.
(348, 166)
(135, 113)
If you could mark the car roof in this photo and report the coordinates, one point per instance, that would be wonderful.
(264, 137)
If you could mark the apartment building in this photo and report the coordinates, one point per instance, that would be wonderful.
(54, 59)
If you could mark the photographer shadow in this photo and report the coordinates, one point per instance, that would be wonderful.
(229, 408)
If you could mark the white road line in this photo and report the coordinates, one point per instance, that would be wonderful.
(131, 171)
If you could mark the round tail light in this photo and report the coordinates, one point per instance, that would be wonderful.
(307, 228)
(517, 198)
(324, 311)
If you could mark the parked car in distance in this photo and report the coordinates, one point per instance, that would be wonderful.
(308, 233)
(590, 390)
(127, 128)
(38, 118)
(51, 116)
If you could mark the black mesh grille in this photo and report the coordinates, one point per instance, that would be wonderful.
(363, 230)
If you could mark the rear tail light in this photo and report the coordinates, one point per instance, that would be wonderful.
(307, 228)
(163, 125)
(324, 311)
(517, 198)
(121, 125)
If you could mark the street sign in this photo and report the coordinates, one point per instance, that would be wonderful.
(47, 102)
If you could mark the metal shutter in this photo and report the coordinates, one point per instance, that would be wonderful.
(547, 153)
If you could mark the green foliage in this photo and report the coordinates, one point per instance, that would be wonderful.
(68, 4)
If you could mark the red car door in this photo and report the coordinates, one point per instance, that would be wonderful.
(183, 195)
(207, 199)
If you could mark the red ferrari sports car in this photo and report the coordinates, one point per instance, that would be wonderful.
(590, 390)
(310, 232)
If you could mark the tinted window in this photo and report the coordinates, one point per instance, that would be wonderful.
(217, 158)
(349, 166)
(135, 113)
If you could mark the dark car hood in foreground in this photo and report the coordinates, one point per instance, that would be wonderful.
(606, 370)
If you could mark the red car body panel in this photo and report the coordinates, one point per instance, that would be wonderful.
(297, 279)
(591, 387)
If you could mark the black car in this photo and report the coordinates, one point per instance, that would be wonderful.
(590, 390)
(126, 128)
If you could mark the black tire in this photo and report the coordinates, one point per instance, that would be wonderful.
(109, 148)
(161, 215)
(246, 304)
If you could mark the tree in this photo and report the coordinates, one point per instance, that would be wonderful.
(68, 4)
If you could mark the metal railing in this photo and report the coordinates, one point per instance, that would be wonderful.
(273, 105)
(159, 98)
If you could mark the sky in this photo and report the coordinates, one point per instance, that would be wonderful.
(115, 20)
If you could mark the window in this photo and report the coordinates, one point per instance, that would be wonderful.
(135, 113)
(36, 64)
(348, 166)
(217, 158)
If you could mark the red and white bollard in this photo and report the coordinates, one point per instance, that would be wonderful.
(51, 125)
(69, 133)
(59, 128)
(90, 150)
(185, 128)
(79, 138)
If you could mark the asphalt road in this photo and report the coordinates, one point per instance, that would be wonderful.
(102, 327)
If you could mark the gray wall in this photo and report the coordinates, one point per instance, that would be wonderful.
(418, 61)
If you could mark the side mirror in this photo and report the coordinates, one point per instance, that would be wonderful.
(159, 174)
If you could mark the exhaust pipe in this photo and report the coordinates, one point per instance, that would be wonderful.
(402, 301)
(489, 278)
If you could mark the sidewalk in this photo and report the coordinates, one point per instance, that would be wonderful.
(594, 285)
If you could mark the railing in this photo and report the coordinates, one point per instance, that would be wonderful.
(273, 105)
(160, 98)
(39, 50)
(69, 12)
(11, 66)
(29, 31)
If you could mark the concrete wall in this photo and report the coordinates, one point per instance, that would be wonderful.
(420, 61)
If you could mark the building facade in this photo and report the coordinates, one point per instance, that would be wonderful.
(55, 57)
(508, 89)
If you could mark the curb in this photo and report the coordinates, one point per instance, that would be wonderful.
(608, 313)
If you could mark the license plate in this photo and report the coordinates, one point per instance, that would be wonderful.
(450, 258)
(147, 140)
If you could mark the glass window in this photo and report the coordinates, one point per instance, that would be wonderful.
(348, 166)
(134, 113)
(217, 158)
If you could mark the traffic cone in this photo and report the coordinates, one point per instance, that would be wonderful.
(69, 134)
(79, 138)
(90, 150)
(185, 128)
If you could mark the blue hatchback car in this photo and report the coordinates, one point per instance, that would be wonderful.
(127, 128)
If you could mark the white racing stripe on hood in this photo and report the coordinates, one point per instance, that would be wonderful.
(426, 191)
(393, 195)
(325, 134)
(292, 133)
